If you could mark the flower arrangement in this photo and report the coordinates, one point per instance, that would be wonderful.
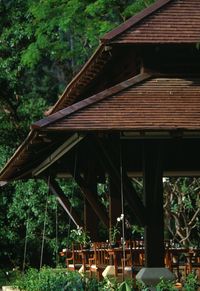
(115, 230)
(79, 235)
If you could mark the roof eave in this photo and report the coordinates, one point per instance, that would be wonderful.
(70, 86)
(32, 135)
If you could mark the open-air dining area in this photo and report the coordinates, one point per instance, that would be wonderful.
(125, 261)
(124, 138)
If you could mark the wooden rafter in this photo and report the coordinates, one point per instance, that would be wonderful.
(58, 153)
(92, 199)
(64, 202)
(130, 194)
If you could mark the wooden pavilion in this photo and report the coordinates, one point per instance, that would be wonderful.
(137, 97)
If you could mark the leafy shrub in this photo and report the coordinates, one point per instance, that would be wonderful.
(164, 285)
(49, 279)
(7, 276)
(191, 282)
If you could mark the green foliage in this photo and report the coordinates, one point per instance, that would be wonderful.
(182, 204)
(136, 7)
(59, 279)
(8, 277)
(137, 230)
(115, 230)
(44, 280)
(54, 279)
(164, 285)
(191, 282)
(124, 286)
(80, 236)
(24, 218)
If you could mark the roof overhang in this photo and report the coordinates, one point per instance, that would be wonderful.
(46, 147)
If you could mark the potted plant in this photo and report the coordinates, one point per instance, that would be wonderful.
(80, 236)
(114, 231)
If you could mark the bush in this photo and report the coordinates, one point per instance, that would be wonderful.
(49, 279)
(7, 276)
(191, 282)
(164, 285)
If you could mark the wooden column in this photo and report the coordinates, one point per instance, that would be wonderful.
(115, 208)
(91, 220)
(109, 162)
(153, 200)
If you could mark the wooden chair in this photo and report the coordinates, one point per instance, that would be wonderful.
(134, 260)
(100, 259)
(193, 262)
(176, 262)
(75, 261)
(127, 262)
(87, 254)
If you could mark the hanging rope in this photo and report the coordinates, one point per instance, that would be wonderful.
(25, 244)
(44, 227)
(56, 248)
(122, 205)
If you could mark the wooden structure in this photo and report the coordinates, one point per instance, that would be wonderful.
(140, 92)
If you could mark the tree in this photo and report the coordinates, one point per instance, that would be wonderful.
(182, 208)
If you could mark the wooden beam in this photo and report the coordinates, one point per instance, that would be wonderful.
(92, 199)
(58, 153)
(109, 159)
(153, 199)
(64, 202)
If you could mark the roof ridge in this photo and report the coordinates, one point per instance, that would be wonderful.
(134, 20)
(91, 100)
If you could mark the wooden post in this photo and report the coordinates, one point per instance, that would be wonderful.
(108, 160)
(91, 220)
(115, 208)
(153, 200)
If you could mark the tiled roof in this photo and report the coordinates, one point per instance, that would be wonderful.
(161, 103)
(176, 21)
(143, 103)
(166, 21)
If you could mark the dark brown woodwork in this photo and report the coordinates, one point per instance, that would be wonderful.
(56, 190)
(92, 200)
(91, 220)
(115, 208)
(153, 199)
(109, 160)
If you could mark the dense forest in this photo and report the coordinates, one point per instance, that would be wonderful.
(43, 44)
